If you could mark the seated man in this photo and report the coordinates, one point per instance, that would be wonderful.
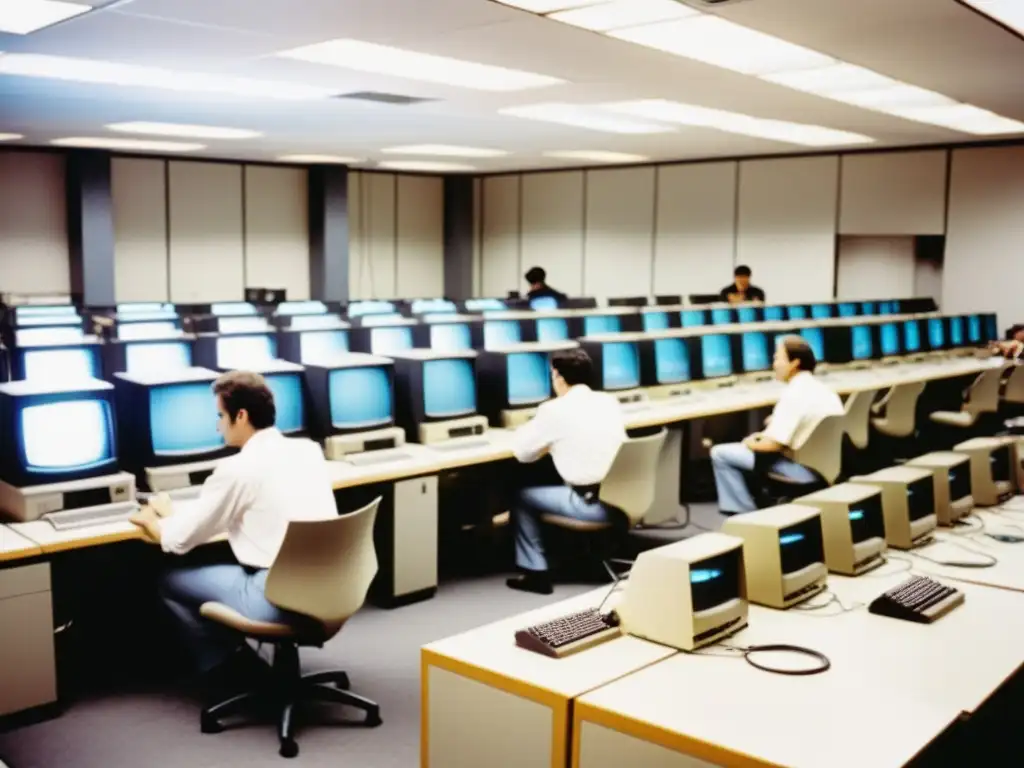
(803, 402)
(539, 289)
(583, 431)
(1013, 347)
(251, 497)
(741, 290)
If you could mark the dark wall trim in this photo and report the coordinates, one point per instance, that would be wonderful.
(328, 233)
(90, 219)
(458, 237)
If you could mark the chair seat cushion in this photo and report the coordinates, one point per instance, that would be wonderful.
(954, 418)
(573, 524)
(231, 618)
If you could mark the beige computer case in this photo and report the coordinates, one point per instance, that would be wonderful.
(900, 532)
(762, 556)
(842, 555)
(985, 491)
(941, 463)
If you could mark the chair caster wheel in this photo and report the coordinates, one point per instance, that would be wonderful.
(210, 725)
(372, 720)
(289, 748)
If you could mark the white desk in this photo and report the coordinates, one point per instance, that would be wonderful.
(14, 546)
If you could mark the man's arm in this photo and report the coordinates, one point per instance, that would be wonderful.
(531, 441)
(196, 522)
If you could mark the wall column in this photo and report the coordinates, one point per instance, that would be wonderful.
(328, 233)
(458, 237)
(91, 227)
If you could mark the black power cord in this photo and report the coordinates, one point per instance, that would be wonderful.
(824, 664)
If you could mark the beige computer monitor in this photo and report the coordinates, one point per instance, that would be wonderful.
(909, 522)
(688, 594)
(783, 554)
(952, 479)
(852, 526)
(986, 489)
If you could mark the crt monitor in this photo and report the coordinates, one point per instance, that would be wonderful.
(447, 337)
(147, 329)
(297, 308)
(990, 328)
(595, 325)
(847, 309)
(289, 400)
(51, 363)
(666, 361)
(425, 306)
(55, 431)
(889, 341)
(482, 305)
(629, 301)
(233, 309)
(616, 364)
(236, 351)
(822, 311)
(692, 318)
(936, 333)
(869, 308)
(908, 503)
(499, 333)
(47, 316)
(370, 307)
(912, 342)
(352, 393)
(853, 526)
(431, 387)
(974, 329)
(862, 343)
(715, 356)
(755, 351)
(145, 311)
(992, 468)
(957, 333)
(310, 346)
(166, 418)
(151, 355)
(796, 312)
(395, 336)
(35, 336)
(774, 314)
(655, 321)
(513, 378)
(722, 316)
(748, 314)
(543, 303)
(552, 329)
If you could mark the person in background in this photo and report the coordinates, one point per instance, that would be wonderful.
(802, 403)
(539, 288)
(251, 497)
(741, 290)
(1013, 347)
(583, 431)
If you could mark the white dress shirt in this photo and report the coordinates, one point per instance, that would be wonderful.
(582, 430)
(804, 400)
(252, 496)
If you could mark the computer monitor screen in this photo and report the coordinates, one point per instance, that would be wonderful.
(449, 388)
(313, 322)
(360, 397)
(746, 314)
(816, 338)
(956, 331)
(68, 435)
(501, 333)
(671, 361)
(715, 581)
(911, 336)
(322, 345)
(888, 307)
(183, 419)
(552, 329)
(22, 320)
(655, 321)
(800, 545)
(862, 345)
(232, 309)
(991, 330)
(147, 330)
(959, 478)
(288, 401)
(387, 339)
(821, 311)
(480, 305)
(936, 333)
(796, 312)
(774, 314)
(163, 356)
(381, 318)
(721, 316)
(60, 364)
(621, 367)
(48, 311)
(847, 309)
(544, 303)
(241, 324)
(868, 308)
(866, 520)
(450, 337)
(716, 356)
(438, 317)
(691, 318)
(245, 352)
(529, 378)
(422, 306)
(152, 310)
(999, 461)
(921, 498)
(756, 355)
(300, 308)
(27, 337)
(974, 329)
(889, 339)
(360, 308)
(597, 324)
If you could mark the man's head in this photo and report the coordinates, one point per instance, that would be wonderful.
(536, 277)
(792, 355)
(570, 367)
(245, 405)
(1015, 333)
(741, 276)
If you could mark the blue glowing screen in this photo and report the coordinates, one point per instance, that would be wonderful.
(449, 388)
(450, 337)
(746, 314)
(322, 345)
(912, 336)
(774, 314)
(671, 361)
(655, 321)
(790, 538)
(868, 308)
(388, 339)
(862, 343)
(703, 575)
(956, 331)
(479, 305)
(721, 316)
(847, 309)
(288, 401)
(67, 435)
(756, 355)
(796, 312)
(544, 303)
(621, 367)
(974, 329)
(936, 333)
(816, 338)
(148, 330)
(821, 311)
(360, 397)
(245, 352)
(144, 357)
(691, 318)
(61, 364)
(529, 378)
(716, 356)
(889, 339)
(183, 419)
(552, 329)
(596, 324)
(856, 514)
(501, 333)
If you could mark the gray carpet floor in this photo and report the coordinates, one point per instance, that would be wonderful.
(379, 649)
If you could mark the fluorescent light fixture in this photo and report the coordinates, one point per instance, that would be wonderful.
(182, 130)
(130, 75)
(598, 156)
(444, 150)
(1008, 12)
(10, 136)
(898, 96)
(582, 116)
(963, 117)
(835, 78)
(20, 17)
(424, 165)
(547, 6)
(714, 40)
(745, 125)
(319, 159)
(623, 13)
(412, 65)
(133, 145)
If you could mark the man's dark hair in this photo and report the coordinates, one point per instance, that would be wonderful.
(1012, 331)
(742, 271)
(536, 275)
(573, 365)
(798, 349)
(243, 389)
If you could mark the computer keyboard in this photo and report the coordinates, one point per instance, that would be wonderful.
(83, 517)
(373, 458)
(461, 445)
(568, 634)
(635, 407)
(191, 493)
(918, 599)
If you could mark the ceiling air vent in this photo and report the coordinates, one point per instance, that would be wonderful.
(383, 98)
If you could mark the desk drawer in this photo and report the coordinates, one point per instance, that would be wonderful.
(26, 580)
(27, 665)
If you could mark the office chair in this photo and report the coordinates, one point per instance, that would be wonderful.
(977, 414)
(1013, 392)
(897, 428)
(856, 432)
(820, 451)
(323, 571)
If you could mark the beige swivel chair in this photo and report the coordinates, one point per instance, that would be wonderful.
(981, 402)
(856, 430)
(323, 572)
(820, 450)
(900, 404)
(1013, 393)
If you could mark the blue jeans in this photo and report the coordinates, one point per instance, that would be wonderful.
(183, 590)
(561, 500)
(732, 461)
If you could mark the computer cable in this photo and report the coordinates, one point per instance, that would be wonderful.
(881, 571)
(968, 529)
(833, 599)
(678, 525)
(824, 664)
(988, 563)
(616, 578)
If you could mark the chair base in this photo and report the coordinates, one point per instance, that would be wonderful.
(286, 690)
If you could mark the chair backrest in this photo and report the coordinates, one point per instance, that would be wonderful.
(983, 395)
(858, 416)
(630, 483)
(1014, 392)
(822, 449)
(325, 567)
(901, 408)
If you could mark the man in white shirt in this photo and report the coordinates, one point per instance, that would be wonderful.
(251, 497)
(804, 401)
(583, 431)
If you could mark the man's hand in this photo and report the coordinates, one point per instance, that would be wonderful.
(148, 520)
(161, 504)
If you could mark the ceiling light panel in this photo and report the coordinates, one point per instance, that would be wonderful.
(965, 118)
(585, 117)
(319, 159)
(412, 65)
(1008, 12)
(132, 145)
(836, 78)
(424, 165)
(182, 130)
(129, 75)
(445, 150)
(607, 16)
(10, 136)
(547, 6)
(597, 156)
(713, 40)
(22, 17)
(899, 96)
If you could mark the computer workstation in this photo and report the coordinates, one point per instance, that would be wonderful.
(514, 381)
